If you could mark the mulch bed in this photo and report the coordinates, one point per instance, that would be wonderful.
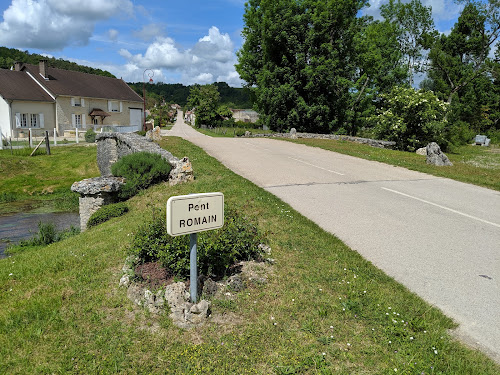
(154, 275)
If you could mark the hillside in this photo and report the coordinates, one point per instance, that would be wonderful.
(10, 55)
(177, 93)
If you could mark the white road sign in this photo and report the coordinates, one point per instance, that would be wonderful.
(194, 213)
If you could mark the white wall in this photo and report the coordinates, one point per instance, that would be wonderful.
(4, 118)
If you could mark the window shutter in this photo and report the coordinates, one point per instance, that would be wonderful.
(121, 107)
(73, 119)
(42, 122)
(82, 102)
(109, 106)
(84, 120)
(72, 102)
(18, 120)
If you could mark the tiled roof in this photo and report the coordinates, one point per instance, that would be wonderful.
(19, 86)
(71, 83)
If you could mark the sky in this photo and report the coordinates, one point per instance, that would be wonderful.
(192, 41)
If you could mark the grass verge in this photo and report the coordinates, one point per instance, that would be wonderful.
(471, 164)
(231, 132)
(46, 179)
(324, 311)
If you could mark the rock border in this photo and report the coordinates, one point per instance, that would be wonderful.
(176, 296)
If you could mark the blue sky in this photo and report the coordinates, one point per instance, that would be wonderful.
(185, 42)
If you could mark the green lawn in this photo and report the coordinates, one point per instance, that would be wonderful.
(46, 178)
(325, 310)
(471, 164)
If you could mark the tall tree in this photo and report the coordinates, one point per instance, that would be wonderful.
(205, 99)
(297, 58)
(415, 31)
(461, 57)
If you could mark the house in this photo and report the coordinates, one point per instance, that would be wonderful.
(245, 115)
(44, 98)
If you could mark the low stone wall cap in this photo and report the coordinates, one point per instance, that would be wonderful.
(96, 185)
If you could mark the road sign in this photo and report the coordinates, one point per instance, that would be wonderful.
(190, 214)
(194, 213)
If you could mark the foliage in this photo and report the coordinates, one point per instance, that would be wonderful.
(411, 118)
(141, 169)
(46, 235)
(217, 250)
(298, 60)
(107, 212)
(415, 31)
(463, 74)
(8, 56)
(90, 136)
(205, 100)
(177, 93)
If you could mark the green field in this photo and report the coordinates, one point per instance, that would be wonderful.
(324, 310)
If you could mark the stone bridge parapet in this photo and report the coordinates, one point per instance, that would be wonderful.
(113, 146)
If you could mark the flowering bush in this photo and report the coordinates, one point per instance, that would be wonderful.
(411, 118)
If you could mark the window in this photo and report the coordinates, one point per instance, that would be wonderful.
(77, 102)
(114, 106)
(78, 121)
(29, 120)
(24, 120)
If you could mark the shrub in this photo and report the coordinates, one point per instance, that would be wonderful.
(239, 132)
(46, 235)
(90, 136)
(217, 250)
(141, 170)
(107, 212)
(412, 119)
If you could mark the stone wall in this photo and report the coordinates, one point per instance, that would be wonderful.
(113, 146)
(371, 142)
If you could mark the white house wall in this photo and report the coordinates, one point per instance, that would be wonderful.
(4, 118)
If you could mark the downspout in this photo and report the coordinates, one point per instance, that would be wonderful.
(10, 119)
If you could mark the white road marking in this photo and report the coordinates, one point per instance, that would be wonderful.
(443, 207)
(315, 166)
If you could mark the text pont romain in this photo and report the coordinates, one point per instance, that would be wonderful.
(197, 220)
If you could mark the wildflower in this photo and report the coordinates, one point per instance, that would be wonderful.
(331, 327)
(323, 353)
(10, 274)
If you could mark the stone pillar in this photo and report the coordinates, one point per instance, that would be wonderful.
(94, 193)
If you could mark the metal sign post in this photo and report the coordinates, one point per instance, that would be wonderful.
(193, 267)
(190, 214)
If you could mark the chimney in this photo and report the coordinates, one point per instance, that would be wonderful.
(17, 66)
(44, 69)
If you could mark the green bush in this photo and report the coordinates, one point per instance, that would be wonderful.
(90, 136)
(141, 170)
(107, 212)
(239, 132)
(412, 119)
(217, 250)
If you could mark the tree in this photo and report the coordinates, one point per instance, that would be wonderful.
(379, 68)
(463, 74)
(205, 100)
(415, 31)
(297, 59)
(461, 57)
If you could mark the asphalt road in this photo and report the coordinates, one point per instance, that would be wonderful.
(438, 237)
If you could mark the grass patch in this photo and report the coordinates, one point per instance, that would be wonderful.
(471, 164)
(46, 178)
(231, 132)
(325, 310)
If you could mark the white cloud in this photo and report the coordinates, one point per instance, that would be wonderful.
(55, 24)
(150, 32)
(113, 34)
(211, 59)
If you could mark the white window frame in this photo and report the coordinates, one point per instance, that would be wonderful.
(30, 120)
(115, 106)
(77, 102)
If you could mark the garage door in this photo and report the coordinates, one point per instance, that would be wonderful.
(135, 116)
